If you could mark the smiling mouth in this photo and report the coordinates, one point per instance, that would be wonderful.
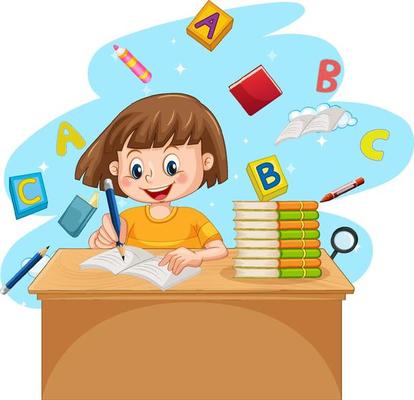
(158, 193)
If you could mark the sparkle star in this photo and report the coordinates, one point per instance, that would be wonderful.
(272, 55)
(290, 168)
(211, 204)
(180, 69)
(173, 41)
(114, 55)
(322, 141)
(43, 166)
(245, 140)
(236, 176)
(146, 90)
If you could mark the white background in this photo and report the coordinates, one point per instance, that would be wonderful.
(46, 47)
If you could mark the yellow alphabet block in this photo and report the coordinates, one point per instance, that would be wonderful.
(267, 178)
(210, 25)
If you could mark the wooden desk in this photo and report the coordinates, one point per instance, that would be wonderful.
(112, 337)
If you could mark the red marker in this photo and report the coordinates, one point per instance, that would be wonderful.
(343, 189)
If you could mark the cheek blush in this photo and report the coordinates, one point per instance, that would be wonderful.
(182, 178)
(125, 182)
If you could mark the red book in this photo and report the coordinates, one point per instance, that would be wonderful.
(255, 90)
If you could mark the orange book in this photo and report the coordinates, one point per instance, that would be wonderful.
(299, 263)
(297, 205)
(300, 244)
(286, 225)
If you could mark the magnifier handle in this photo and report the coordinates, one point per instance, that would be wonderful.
(334, 253)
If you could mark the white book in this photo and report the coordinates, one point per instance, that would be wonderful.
(255, 205)
(256, 224)
(258, 253)
(256, 215)
(139, 263)
(257, 273)
(257, 243)
(255, 263)
(324, 121)
(257, 234)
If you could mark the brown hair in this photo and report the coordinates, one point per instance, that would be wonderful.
(152, 122)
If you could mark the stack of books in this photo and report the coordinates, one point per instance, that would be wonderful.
(277, 239)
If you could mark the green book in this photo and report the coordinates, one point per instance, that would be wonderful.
(298, 234)
(300, 253)
(298, 215)
(277, 253)
(278, 272)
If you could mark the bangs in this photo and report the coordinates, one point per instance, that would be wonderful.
(146, 130)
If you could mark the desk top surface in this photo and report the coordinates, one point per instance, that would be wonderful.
(62, 277)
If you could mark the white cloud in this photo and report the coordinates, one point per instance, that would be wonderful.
(346, 120)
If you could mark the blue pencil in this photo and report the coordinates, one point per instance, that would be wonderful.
(113, 211)
(29, 265)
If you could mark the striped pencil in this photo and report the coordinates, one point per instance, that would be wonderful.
(133, 64)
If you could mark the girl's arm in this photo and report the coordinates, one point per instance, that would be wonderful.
(182, 257)
(214, 250)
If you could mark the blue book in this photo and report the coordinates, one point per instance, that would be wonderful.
(78, 214)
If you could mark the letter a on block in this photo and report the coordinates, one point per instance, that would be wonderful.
(328, 76)
(211, 22)
(72, 136)
(210, 25)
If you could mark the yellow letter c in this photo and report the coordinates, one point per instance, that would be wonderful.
(22, 196)
(367, 143)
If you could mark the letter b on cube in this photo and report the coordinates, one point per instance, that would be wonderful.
(267, 178)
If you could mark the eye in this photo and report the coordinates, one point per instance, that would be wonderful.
(171, 164)
(137, 168)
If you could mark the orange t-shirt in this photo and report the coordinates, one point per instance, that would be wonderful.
(184, 227)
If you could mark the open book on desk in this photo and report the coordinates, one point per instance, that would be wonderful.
(140, 263)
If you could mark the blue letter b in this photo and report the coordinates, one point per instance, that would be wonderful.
(268, 176)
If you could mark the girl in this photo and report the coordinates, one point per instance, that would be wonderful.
(157, 150)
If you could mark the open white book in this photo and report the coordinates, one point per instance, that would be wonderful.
(140, 263)
(324, 121)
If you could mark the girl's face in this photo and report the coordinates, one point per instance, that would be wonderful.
(161, 174)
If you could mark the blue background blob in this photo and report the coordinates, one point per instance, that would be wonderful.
(318, 169)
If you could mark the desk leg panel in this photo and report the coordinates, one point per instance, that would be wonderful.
(219, 349)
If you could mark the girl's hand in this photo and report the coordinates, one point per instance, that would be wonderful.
(105, 237)
(178, 259)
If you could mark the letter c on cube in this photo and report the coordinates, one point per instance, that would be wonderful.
(22, 196)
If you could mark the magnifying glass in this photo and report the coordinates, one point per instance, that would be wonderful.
(343, 240)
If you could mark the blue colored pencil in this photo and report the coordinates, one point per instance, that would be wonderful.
(20, 274)
(113, 211)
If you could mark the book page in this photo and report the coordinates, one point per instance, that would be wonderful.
(150, 270)
(160, 276)
(295, 128)
(111, 260)
(319, 124)
(325, 121)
